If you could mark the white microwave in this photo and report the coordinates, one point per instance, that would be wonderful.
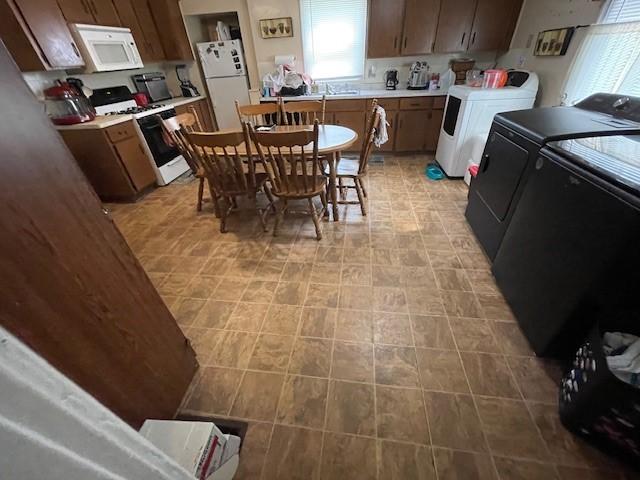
(105, 49)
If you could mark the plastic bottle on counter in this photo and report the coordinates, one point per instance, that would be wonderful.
(434, 83)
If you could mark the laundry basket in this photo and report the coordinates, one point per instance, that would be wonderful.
(598, 406)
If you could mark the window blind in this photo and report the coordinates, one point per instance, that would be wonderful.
(619, 11)
(333, 37)
(608, 59)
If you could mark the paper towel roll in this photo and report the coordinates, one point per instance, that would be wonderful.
(285, 59)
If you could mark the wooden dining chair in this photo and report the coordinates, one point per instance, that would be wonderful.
(191, 123)
(223, 167)
(355, 170)
(304, 112)
(269, 113)
(291, 161)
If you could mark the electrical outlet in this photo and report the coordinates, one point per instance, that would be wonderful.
(372, 71)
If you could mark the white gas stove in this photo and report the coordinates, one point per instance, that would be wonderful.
(165, 159)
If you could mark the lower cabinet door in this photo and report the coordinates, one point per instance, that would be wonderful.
(411, 131)
(433, 129)
(136, 163)
(353, 120)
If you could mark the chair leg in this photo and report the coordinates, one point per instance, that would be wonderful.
(325, 204)
(360, 196)
(314, 216)
(341, 189)
(262, 214)
(200, 194)
(279, 216)
(215, 199)
(224, 213)
(364, 191)
(272, 202)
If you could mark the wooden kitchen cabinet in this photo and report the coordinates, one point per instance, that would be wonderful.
(493, 25)
(434, 122)
(149, 30)
(420, 26)
(93, 12)
(203, 112)
(171, 29)
(37, 35)
(129, 19)
(385, 28)
(454, 25)
(113, 160)
(411, 131)
(353, 120)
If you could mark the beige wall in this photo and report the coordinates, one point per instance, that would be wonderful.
(539, 15)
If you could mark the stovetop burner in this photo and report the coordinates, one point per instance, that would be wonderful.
(134, 110)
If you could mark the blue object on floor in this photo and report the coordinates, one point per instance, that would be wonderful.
(434, 172)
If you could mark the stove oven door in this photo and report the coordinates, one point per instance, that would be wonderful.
(162, 152)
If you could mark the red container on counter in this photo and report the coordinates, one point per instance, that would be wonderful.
(494, 78)
(65, 106)
(142, 100)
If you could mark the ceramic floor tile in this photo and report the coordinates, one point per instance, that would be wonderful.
(444, 259)
(290, 293)
(461, 304)
(348, 458)
(432, 332)
(294, 454)
(254, 450)
(392, 328)
(269, 270)
(475, 335)
(489, 375)
(400, 415)
(322, 295)
(441, 370)
(458, 465)
(525, 470)
(311, 356)
(303, 401)
(356, 297)
(296, 272)
(282, 319)
(318, 322)
(509, 429)
(214, 392)
(494, 307)
(354, 274)
(538, 379)
(231, 289)
(271, 353)
(396, 366)
(423, 301)
(257, 398)
(325, 273)
(259, 291)
(454, 422)
(247, 317)
(352, 361)
(201, 286)
(351, 408)
(354, 325)
(452, 280)
(399, 461)
(185, 310)
(388, 299)
(511, 339)
(230, 349)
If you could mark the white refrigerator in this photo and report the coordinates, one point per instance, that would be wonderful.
(226, 76)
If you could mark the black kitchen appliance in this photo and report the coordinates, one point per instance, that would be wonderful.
(163, 153)
(570, 256)
(188, 89)
(154, 85)
(513, 146)
(391, 79)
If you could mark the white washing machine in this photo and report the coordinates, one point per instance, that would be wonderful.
(469, 113)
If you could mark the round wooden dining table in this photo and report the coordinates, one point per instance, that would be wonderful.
(332, 139)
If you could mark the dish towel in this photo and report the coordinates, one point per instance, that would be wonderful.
(381, 137)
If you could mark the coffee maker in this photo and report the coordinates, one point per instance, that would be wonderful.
(188, 89)
(418, 79)
(391, 79)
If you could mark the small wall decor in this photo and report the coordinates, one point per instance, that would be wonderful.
(553, 43)
(276, 27)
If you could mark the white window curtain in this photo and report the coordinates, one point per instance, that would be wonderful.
(333, 38)
(609, 58)
(50, 428)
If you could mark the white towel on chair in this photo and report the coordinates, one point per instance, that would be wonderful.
(381, 137)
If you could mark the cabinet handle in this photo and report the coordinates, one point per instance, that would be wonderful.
(464, 35)
(395, 42)
(405, 42)
(473, 38)
(75, 50)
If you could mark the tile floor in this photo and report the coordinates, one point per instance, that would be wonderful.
(382, 352)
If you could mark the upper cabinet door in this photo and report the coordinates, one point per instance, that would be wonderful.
(454, 25)
(173, 33)
(149, 30)
(49, 29)
(494, 23)
(129, 19)
(385, 28)
(76, 11)
(104, 13)
(420, 25)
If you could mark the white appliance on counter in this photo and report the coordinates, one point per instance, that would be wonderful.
(226, 75)
(105, 49)
(469, 114)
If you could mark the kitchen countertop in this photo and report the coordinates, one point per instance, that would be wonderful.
(104, 121)
(377, 93)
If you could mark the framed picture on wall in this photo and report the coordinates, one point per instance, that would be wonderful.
(553, 43)
(276, 27)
